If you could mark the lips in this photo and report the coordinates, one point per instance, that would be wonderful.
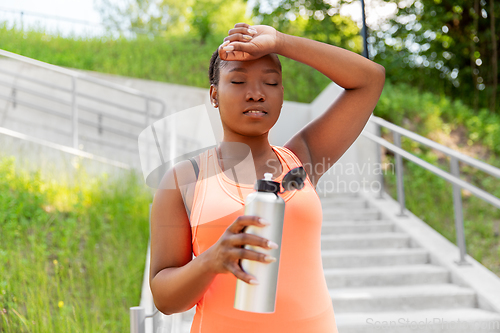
(255, 108)
(255, 115)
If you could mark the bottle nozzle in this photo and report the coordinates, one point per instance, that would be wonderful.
(268, 176)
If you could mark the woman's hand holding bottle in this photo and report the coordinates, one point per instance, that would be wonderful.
(225, 254)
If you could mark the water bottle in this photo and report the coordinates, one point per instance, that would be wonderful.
(267, 204)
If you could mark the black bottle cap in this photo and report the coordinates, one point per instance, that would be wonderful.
(294, 179)
(267, 185)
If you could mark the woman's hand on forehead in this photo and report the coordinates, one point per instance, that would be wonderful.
(245, 42)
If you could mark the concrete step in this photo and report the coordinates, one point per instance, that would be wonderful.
(385, 276)
(429, 321)
(189, 314)
(333, 195)
(352, 227)
(333, 222)
(344, 202)
(186, 326)
(353, 258)
(359, 241)
(402, 298)
(336, 214)
(467, 320)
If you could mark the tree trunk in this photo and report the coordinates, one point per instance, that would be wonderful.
(475, 70)
(494, 57)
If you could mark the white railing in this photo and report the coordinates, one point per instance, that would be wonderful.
(73, 99)
(453, 177)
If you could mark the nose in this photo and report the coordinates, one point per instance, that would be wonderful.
(255, 92)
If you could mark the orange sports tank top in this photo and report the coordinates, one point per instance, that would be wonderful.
(303, 303)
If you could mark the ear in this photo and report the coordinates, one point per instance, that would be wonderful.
(213, 96)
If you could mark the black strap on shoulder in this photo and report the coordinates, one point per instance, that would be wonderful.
(195, 166)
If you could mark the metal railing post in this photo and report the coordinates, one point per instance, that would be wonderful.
(137, 320)
(379, 161)
(146, 124)
(176, 323)
(173, 140)
(13, 97)
(74, 111)
(457, 206)
(399, 175)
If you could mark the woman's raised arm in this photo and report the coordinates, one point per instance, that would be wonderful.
(324, 140)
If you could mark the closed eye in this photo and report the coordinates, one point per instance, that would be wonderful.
(272, 84)
(237, 82)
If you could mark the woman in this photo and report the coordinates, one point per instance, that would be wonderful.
(206, 218)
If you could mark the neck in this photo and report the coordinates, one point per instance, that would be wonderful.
(241, 146)
(257, 157)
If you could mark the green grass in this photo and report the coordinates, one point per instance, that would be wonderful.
(178, 59)
(71, 257)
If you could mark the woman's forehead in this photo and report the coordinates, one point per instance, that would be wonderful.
(266, 63)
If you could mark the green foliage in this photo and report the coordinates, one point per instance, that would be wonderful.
(200, 19)
(318, 20)
(71, 258)
(443, 46)
(216, 17)
(178, 59)
(144, 16)
(446, 39)
(429, 112)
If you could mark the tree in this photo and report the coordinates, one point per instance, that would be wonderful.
(166, 17)
(445, 46)
(211, 17)
(316, 19)
(449, 39)
(155, 17)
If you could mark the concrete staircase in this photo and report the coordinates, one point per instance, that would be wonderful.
(379, 280)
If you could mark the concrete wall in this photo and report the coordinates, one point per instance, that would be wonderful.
(55, 162)
(348, 174)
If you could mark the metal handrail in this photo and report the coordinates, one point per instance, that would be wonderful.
(453, 177)
(494, 171)
(82, 121)
(75, 95)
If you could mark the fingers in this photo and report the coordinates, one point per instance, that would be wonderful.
(240, 254)
(240, 274)
(242, 24)
(245, 220)
(228, 252)
(243, 30)
(236, 45)
(238, 37)
(254, 240)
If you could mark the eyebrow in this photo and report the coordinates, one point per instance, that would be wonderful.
(241, 69)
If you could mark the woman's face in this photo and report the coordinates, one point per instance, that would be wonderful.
(248, 85)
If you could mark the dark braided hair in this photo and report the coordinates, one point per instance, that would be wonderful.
(216, 63)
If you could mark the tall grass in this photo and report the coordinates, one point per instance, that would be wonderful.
(71, 258)
(178, 59)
